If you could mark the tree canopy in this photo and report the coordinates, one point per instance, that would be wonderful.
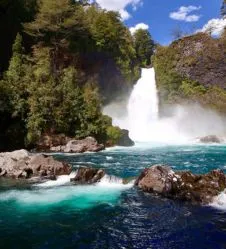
(54, 82)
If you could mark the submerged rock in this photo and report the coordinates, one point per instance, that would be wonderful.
(79, 146)
(22, 164)
(210, 139)
(88, 176)
(161, 179)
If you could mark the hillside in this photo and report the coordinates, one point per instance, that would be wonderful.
(193, 69)
(68, 59)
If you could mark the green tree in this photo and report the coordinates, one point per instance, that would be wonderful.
(70, 102)
(144, 46)
(15, 78)
(42, 96)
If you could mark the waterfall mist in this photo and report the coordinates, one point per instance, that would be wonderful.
(140, 115)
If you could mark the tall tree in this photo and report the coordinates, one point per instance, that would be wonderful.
(144, 46)
(15, 78)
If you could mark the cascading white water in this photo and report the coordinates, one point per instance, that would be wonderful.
(183, 124)
(143, 105)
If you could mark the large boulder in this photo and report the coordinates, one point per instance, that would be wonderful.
(161, 179)
(157, 179)
(79, 146)
(47, 141)
(88, 176)
(210, 139)
(22, 164)
(125, 140)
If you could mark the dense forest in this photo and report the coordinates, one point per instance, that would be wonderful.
(60, 62)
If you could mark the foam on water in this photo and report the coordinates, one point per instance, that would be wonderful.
(219, 201)
(61, 180)
(61, 192)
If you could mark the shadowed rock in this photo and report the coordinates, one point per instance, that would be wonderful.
(88, 176)
(161, 179)
(125, 140)
(210, 139)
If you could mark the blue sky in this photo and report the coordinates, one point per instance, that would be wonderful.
(156, 14)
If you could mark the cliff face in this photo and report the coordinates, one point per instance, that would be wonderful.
(103, 68)
(202, 59)
(193, 69)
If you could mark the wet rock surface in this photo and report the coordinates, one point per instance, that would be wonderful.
(87, 175)
(22, 164)
(198, 189)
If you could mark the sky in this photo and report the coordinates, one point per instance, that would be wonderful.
(161, 17)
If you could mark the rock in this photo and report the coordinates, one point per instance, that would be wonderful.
(161, 179)
(47, 164)
(125, 140)
(79, 146)
(158, 179)
(61, 143)
(22, 164)
(88, 176)
(59, 148)
(48, 141)
(210, 139)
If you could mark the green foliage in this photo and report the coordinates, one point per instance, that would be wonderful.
(144, 46)
(113, 134)
(48, 89)
(16, 80)
(113, 38)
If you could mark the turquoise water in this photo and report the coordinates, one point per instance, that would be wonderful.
(109, 214)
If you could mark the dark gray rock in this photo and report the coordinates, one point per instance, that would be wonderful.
(125, 140)
(210, 139)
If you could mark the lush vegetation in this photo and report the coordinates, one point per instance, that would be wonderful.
(54, 82)
(192, 69)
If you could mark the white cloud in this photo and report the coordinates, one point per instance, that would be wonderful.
(138, 26)
(120, 5)
(183, 14)
(214, 26)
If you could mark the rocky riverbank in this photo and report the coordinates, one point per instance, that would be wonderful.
(158, 179)
(64, 144)
(22, 164)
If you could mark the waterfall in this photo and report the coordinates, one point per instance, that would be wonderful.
(143, 105)
(183, 123)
